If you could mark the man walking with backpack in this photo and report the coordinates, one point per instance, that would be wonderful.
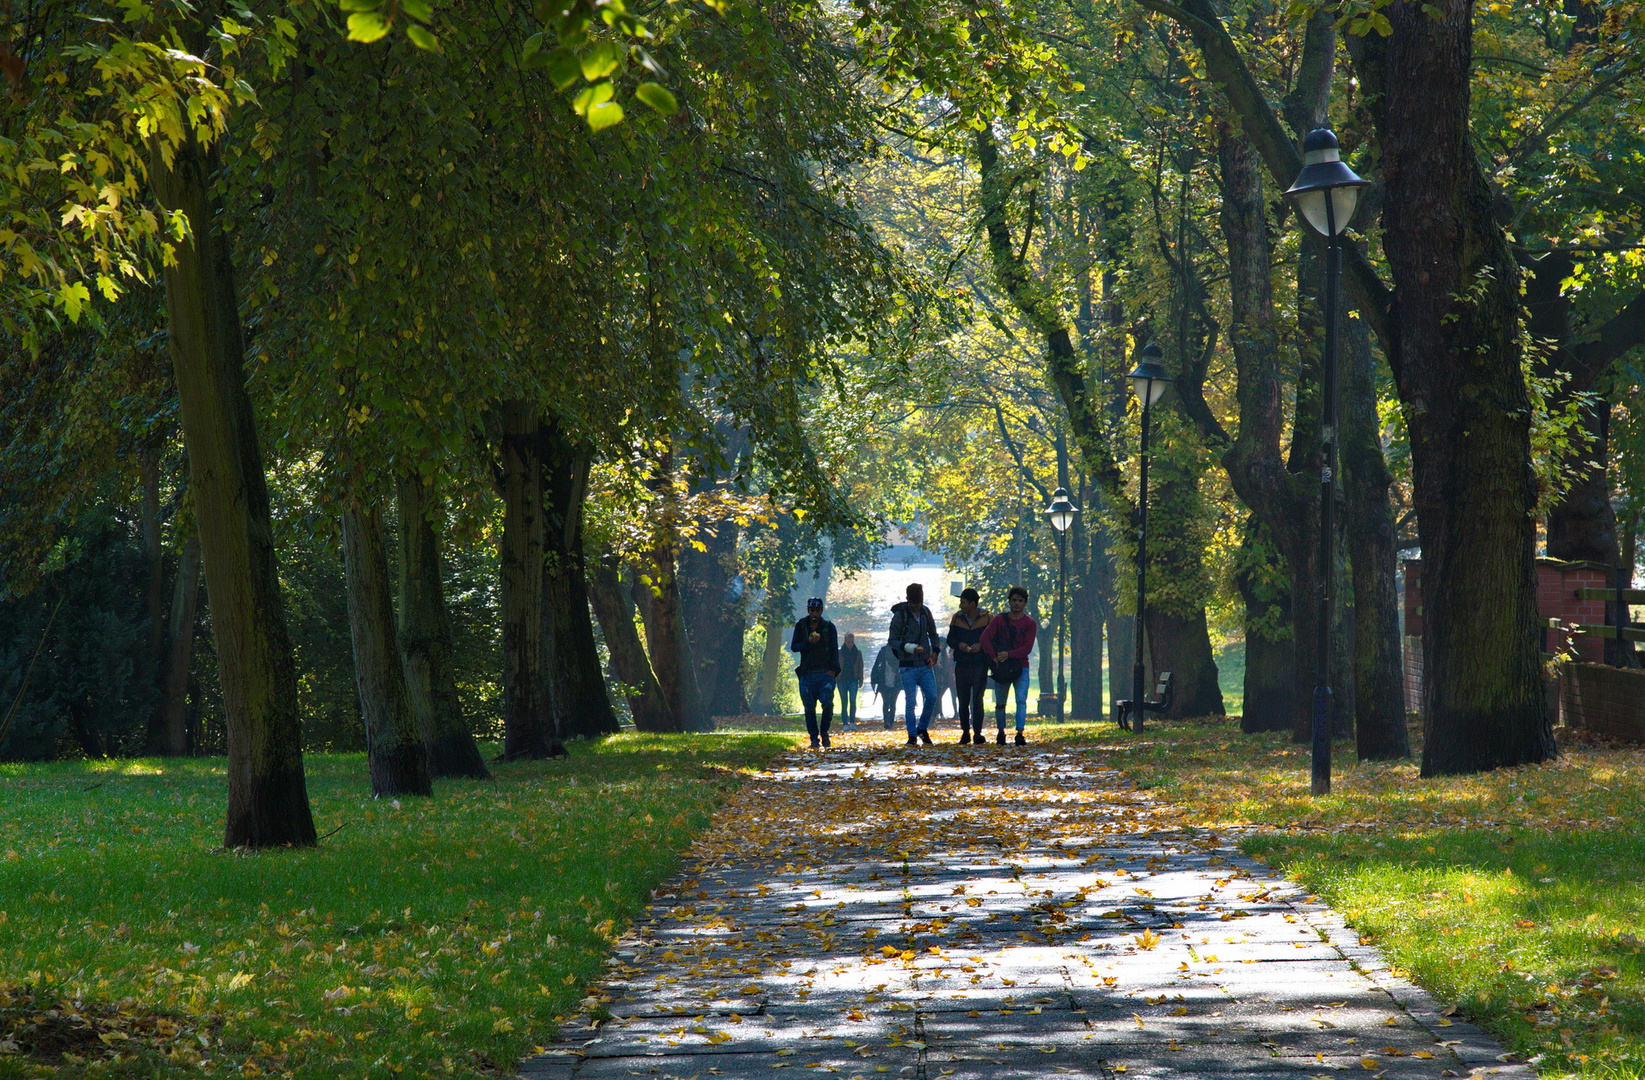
(914, 641)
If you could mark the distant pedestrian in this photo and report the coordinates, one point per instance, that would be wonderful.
(944, 671)
(819, 649)
(887, 682)
(1007, 642)
(850, 680)
(914, 640)
(970, 666)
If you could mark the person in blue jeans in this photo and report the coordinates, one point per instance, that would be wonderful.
(1007, 643)
(819, 648)
(915, 642)
(850, 679)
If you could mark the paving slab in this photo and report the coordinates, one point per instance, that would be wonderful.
(1001, 912)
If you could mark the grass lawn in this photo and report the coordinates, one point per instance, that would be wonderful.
(433, 937)
(1518, 896)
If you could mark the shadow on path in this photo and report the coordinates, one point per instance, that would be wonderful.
(995, 912)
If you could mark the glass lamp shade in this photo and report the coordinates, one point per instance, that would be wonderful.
(1326, 191)
(1149, 381)
(1061, 511)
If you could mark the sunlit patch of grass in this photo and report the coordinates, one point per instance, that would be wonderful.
(1516, 895)
(431, 937)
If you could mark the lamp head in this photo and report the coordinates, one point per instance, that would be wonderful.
(1061, 511)
(1326, 191)
(1149, 380)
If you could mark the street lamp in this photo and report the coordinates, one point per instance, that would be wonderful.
(1148, 382)
(1061, 515)
(1326, 194)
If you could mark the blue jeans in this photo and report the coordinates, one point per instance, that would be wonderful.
(848, 701)
(817, 687)
(919, 677)
(1002, 690)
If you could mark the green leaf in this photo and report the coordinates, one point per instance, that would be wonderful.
(421, 10)
(601, 60)
(367, 26)
(359, 5)
(74, 296)
(562, 67)
(657, 97)
(605, 114)
(591, 96)
(422, 38)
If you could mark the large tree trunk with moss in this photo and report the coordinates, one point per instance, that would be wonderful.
(1457, 363)
(425, 638)
(629, 663)
(395, 750)
(576, 686)
(185, 596)
(267, 792)
(1379, 682)
(528, 730)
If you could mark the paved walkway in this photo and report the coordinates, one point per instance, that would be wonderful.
(996, 912)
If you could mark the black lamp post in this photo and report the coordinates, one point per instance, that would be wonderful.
(1061, 515)
(1326, 194)
(1148, 382)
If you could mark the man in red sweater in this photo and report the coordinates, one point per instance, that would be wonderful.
(1007, 643)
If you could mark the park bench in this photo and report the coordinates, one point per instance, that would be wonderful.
(1161, 703)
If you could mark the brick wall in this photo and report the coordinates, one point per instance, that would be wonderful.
(1556, 598)
(1605, 700)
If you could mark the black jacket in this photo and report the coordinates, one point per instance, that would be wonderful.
(820, 655)
(913, 626)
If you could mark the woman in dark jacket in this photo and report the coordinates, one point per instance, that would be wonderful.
(970, 665)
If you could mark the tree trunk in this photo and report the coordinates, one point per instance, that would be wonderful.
(657, 594)
(1270, 649)
(571, 662)
(395, 750)
(527, 719)
(425, 639)
(659, 604)
(1086, 597)
(154, 743)
(1582, 525)
(1379, 681)
(180, 651)
(629, 663)
(1457, 364)
(771, 663)
(267, 792)
(716, 609)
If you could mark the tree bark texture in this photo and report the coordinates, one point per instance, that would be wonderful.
(716, 617)
(267, 792)
(528, 730)
(659, 604)
(1270, 646)
(1457, 365)
(1379, 682)
(1087, 600)
(629, 663)
(395, 750)
(571, 661)
(425, 639)
(180, 651)
(771, 661)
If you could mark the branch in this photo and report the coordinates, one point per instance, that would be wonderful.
(1620, 332)
(1228, 70)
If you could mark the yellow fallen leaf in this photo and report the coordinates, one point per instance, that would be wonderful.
(1424, 1054)
(1147, 939)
